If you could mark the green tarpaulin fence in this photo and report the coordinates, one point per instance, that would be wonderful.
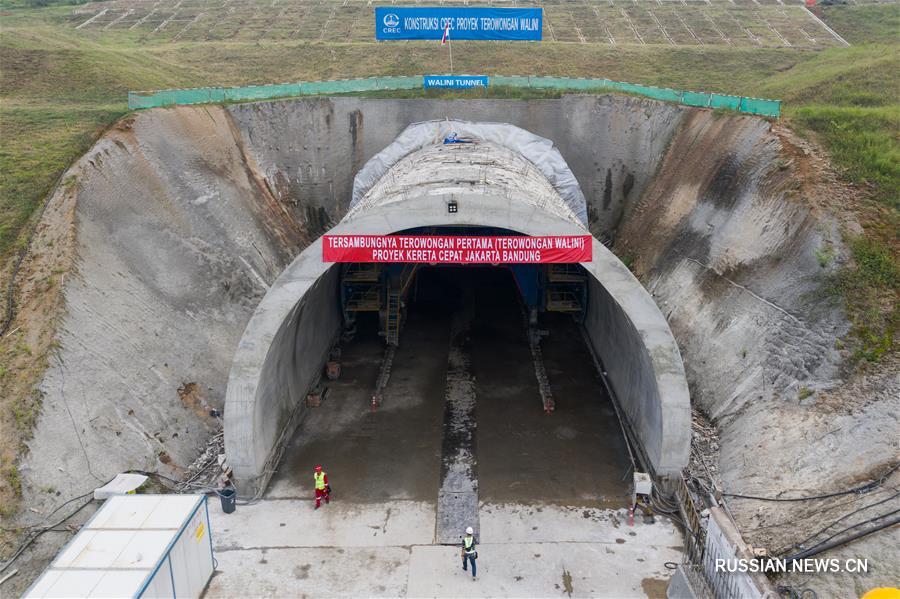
(207, 95)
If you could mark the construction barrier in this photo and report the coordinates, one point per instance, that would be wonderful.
(215, 95)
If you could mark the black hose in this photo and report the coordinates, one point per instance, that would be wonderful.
(838, 542)
(842, 518)
(859, 490)
(857, 525)
(33, 535)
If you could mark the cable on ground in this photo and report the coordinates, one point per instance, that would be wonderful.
(35, 534)
(842, 518)
(825, 545)
(858, 490)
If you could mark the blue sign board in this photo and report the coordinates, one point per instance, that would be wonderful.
(466, 23)
(456, 81)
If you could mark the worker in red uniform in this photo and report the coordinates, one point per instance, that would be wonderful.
(323, 489)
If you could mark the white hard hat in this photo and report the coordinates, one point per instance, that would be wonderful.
(469, 531)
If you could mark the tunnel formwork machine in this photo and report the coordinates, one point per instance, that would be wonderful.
(378, 288)
(383, 289)
(565, 289)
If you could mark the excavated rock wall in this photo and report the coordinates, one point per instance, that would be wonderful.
(732, 240)
(612, 144)
(739, 263)
(177, 240)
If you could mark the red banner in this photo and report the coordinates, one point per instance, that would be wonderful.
(457, 249)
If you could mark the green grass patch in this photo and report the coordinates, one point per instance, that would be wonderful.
(863, 24)
(858, 76)
(10, 475)
(870, 288)
(875, 265)
(865, 142)
(39, 143)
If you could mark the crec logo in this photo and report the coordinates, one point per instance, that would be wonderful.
(391, 20)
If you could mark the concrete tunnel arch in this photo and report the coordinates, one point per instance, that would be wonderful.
(287, 341)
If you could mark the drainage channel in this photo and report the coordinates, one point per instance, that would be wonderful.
(458, 495)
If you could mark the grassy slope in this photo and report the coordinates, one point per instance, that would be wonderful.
(849, 96)
(60, 87)
(850, 99)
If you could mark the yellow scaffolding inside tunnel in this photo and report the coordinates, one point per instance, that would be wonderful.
(566, 288)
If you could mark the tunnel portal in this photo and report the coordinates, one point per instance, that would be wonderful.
(502, 180)
(462, 421)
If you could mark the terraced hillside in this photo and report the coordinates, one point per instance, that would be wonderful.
(766, 23)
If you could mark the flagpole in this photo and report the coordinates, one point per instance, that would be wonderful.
(446, 38)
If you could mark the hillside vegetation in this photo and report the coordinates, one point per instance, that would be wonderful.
(60, 86)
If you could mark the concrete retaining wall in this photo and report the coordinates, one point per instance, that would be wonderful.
(622, 342)
(278, 369)
(613, 144)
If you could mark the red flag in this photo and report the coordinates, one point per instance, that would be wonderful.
(446, 35)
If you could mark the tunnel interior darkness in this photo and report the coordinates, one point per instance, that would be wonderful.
(577, 456)
(542, 287)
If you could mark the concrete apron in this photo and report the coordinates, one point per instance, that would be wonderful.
(284, 548)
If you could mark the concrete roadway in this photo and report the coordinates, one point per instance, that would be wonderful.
(284, 548)
(552, 499)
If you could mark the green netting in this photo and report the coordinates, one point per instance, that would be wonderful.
(734, 103)
(339, 87)
(204, 95)
(510, 81)
(262, 92)
(760, 106)
(190, 96)
(657, 93)
(400, 82)
(695, 99)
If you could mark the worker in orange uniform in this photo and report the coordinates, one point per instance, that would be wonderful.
(323, 489)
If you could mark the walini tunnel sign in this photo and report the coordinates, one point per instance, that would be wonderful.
(455, 81)
(457, 249)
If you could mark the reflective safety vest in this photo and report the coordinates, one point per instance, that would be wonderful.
(320, 480)
(468, 542)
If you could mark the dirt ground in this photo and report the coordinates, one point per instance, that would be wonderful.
(576, 455)
(27, 346)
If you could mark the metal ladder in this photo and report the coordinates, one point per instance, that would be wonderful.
(392, 323)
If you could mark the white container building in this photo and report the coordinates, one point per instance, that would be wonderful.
(135, 546)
